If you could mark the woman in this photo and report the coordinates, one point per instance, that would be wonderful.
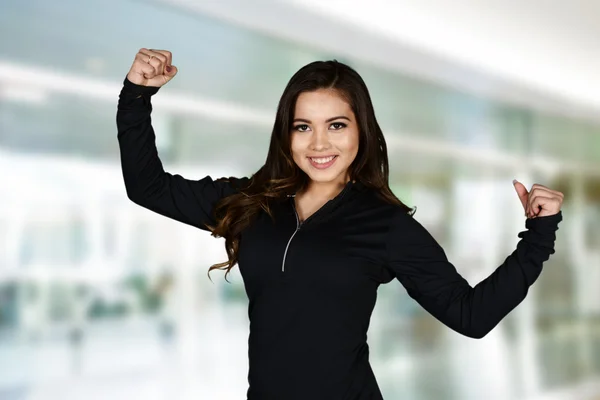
(317, 229)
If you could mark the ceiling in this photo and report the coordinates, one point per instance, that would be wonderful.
(550, 46)
(539, 54)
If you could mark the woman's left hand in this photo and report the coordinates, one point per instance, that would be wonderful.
(540, 201)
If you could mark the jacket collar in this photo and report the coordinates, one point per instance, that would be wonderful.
(334, 205)
(352, 185)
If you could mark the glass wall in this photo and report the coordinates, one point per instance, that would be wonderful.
(102, 299)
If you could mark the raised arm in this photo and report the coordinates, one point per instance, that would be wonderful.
(422, 267)
(146, 182)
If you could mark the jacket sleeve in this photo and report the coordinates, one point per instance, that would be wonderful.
(422, 267)
(146, 182)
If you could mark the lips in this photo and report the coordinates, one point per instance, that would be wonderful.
(322, 162)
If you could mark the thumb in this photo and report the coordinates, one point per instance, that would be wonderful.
(521, 192)
(170, 71)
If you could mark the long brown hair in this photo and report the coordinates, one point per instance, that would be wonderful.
(280, 176)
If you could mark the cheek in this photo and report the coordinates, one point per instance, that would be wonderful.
(296, 147)
(350, 144)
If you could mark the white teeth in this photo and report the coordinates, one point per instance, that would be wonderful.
(323, 160)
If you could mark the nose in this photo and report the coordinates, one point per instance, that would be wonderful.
(320, 139)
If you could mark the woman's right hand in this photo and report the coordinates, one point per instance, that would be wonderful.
(152, 68)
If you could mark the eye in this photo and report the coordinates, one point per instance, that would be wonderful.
(301, 128)
(338, 125)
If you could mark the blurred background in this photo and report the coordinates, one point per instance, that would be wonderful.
(101, 299)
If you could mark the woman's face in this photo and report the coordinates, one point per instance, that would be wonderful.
(324, 136)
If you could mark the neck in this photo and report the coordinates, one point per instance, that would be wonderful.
(325, 190)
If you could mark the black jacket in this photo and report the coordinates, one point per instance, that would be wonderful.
(312, 286)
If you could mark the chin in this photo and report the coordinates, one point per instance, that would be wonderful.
(323, 176)
(320, 179)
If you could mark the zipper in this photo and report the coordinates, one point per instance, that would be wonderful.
(299, 225)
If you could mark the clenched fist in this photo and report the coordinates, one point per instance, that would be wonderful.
(540, 201)
(152, 68)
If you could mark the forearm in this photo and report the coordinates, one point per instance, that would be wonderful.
(509, 284)
(476, 311)
(142, 169)
(424, 270)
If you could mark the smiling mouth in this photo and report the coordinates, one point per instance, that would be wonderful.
(322, 162)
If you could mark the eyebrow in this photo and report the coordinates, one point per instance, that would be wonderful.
(329, 120)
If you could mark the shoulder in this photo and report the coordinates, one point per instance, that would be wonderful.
(217, 188)
(408, 240)
(405, 229)
(234, 182)
(403, 221)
